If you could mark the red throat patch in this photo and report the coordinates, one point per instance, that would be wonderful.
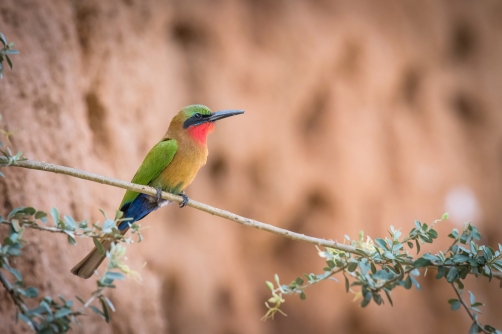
(200, 132)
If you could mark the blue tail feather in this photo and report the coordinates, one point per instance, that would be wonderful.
(138, 209)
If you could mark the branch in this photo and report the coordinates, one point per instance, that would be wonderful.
(47, 167)
(474, 319)
(18, 301)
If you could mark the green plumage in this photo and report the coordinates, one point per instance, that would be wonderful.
(155, 162)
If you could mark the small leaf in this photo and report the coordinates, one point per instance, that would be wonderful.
(410, 244)
(2, 39)
(347, 284)
(299, 281)
(445, 216)
(302, 296)
(474, 328)
(455, 305)
(421, 262)
(105, 310)
(415, 282)
(352, 266)
(452, 275)
(99, 246)
(31, 292)
(62, 313)
(8, 60)
(270, 285)
(40, 215)
(441, 272)
(113, 275)
(472, 298)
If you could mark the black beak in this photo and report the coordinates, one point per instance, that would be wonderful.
(223, 114)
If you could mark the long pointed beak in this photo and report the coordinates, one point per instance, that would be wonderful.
(224, 114)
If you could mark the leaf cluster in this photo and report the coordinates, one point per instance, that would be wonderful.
(375, 268)
(8, 49)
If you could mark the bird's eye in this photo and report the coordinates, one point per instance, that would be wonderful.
(197, 116)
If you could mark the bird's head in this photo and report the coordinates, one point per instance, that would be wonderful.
(198, 120)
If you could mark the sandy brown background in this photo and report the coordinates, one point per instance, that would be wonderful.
(359, 115)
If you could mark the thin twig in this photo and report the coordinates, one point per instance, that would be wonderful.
(17, 300)
(48, 167)
(468, 310)
(51, 229)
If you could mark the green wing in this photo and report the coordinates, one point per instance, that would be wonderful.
(155, 161)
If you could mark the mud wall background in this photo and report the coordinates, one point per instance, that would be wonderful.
(358, 116)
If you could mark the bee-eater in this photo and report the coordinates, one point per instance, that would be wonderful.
(170, 166)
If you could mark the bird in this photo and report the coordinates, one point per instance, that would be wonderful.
(171, 165)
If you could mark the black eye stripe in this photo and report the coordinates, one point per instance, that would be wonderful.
(196, 119)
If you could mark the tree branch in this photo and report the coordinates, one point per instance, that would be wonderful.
(47, 167)
(474, 319)
(18, 301)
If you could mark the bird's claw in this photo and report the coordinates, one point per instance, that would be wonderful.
(184, 201)
(158, 195)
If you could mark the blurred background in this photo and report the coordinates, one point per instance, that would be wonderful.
(359, 115)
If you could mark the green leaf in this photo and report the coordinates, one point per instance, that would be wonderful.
(433, 234)
(421, 262)
(452, 275)
(418, 246)
(410, 244)
(2, 39)
(23, 317)
(302, 296)
(40, 215)
(8, 60)
(380, 242)
(388, 297)
(441, 272)
(472, 298)
(99, 246)
(445, 216)
(269, 285)
(113, 275)
(347, 284)
(455, 305)
(474, 328)
(55, 216)
(299, 281)
(105, 310)
(71, 240)
(97, 311)
(13, 271)
(62, 313)
(407, 283)
(459, 258)
(330, 263)
(352, 266)
(415, 282)
(31, 292)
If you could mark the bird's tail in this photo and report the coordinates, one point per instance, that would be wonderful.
(91, 262)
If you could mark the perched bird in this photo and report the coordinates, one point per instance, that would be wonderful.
(170, 166)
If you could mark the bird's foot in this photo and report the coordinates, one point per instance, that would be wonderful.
(158, 195)
(185, 199)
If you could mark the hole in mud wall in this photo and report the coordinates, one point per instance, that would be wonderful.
(218, 170)
(467, 108)
(223, 301)
(188, 35)
(463, 41)
(86, 16)
(314, 123)
(411, 86)
(96, 116)
(315, 205)
(171, 300)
